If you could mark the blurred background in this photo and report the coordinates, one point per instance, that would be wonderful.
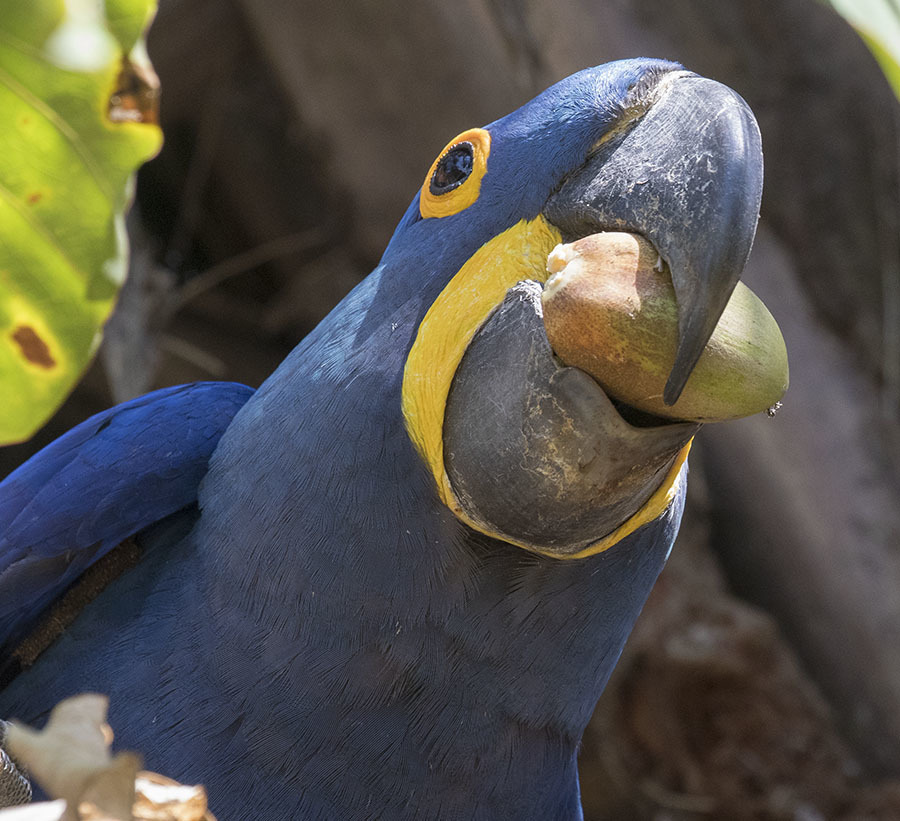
(763, 680)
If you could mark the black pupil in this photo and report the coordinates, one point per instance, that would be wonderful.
(453, 168)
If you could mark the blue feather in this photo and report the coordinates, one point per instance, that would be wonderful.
(104, 480)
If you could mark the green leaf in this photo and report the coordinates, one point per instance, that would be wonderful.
(878, 23)
(32, 22)
(889, 64)
(70, 141)
(127, 20)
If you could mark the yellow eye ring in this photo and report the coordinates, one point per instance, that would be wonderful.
(454, 179)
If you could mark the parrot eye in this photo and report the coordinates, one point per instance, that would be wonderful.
(453, 168)
(454, 179)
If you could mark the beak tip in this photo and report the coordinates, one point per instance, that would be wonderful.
(698, 156)
(675, 385)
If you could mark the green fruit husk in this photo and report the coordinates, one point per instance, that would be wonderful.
(610, 309)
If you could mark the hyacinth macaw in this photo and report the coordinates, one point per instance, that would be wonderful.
(393, 581)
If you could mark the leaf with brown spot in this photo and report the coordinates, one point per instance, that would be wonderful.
(75, 125)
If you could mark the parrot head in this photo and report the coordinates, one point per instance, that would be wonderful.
(638, 145)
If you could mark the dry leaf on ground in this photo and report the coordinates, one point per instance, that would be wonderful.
(70, 759)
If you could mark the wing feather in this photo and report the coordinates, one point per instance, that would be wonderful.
(111, 476)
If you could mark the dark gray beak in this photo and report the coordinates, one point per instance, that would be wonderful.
(688, 175)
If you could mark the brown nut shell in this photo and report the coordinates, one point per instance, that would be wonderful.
(610, 310)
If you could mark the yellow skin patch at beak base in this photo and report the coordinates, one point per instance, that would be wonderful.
(447, 329)
(445, 332)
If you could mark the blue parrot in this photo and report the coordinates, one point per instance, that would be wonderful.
(393, 581)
